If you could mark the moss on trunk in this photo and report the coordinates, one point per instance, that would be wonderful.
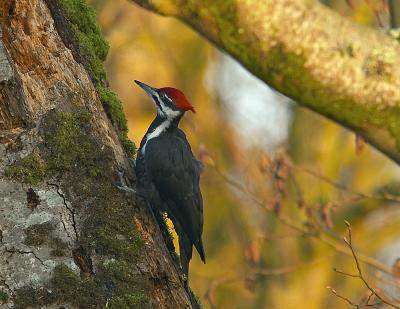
(94, 48)
(72, 151)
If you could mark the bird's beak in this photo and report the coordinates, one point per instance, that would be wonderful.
(149, 90)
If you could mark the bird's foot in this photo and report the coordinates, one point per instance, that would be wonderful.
(122, 183)
(126, 189)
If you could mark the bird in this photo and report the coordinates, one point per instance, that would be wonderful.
(168, 174)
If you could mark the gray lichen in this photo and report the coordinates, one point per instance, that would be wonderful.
(6, 72)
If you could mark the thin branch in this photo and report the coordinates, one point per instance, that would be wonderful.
(208, 296)
(342, 297)
(360, 275)
(303, 231)
(345, 273)
(384, 197)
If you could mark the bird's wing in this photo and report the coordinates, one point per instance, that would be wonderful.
(176, 174)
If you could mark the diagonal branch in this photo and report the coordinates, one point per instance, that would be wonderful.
(394, 9)
(324, 61)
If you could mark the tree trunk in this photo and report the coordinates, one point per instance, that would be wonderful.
(308, 52)
(69, 237)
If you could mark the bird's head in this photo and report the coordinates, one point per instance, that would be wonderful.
(170, 102)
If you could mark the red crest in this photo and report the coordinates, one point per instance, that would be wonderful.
(179, 98)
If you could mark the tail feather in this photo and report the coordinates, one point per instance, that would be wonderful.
(200, 249)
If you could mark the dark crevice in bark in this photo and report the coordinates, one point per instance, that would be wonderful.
(67, 35)
(14, 250)
(7, 286)
(70, 209)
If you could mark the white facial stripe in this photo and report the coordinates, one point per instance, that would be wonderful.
(166, 95)
(170, 113)
(165, 111)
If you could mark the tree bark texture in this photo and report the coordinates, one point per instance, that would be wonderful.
(326, 62)
(68, 236)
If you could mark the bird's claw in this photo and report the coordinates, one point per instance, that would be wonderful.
(123, 186)
(126, 189)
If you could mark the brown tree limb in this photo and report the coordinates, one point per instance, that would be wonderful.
(324, 61)
(394, 9)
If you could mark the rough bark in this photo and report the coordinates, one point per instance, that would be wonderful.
(68, 236)
(324, 61)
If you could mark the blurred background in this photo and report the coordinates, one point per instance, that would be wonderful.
(279, 180)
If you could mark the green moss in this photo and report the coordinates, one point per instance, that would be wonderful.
(68, 146)
(71, 150)
(113, 108)
(94, 49)
(112, 285)
(80, 292)
(287, 72)
(111, 230)
(30, 169)
(29, 297)
(59, 247)
(93, 46)
(127, 301)
(90, 52)
(64, 286)
(38, 234)
(122, 277)
(3, 297)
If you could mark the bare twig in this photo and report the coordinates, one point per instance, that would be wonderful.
(342, 297)
(302, 230)
(383, 197)
(250, 275)
(360, 275)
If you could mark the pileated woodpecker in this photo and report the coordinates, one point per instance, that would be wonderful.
(168, 173)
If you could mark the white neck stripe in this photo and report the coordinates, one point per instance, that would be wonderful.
(156, 132)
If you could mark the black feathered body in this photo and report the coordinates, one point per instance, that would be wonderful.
(168, 176)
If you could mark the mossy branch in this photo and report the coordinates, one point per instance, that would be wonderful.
(394, 9)
(322, 60)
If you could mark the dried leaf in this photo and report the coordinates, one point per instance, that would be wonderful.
(360, 143)
(253, 252)
(350, 4)
(83, 261)
(210, 296)
(250, 284)
(277, 203)
(265, 163)
(204, 156)
(326, 215)
(396, 270)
